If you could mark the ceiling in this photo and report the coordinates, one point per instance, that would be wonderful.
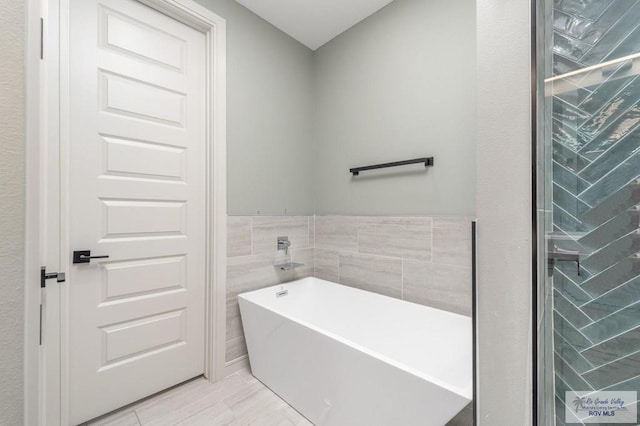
(314, 22)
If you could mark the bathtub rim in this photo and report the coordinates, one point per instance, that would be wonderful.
(465, 392)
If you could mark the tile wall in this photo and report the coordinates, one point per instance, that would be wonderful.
(252, 254)
(424, 260)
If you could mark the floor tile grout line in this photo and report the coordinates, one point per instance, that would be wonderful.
(240, 388)
(197, 412)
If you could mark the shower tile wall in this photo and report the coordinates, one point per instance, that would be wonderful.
(596, 194)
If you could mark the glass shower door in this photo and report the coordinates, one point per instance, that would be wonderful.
(588, 206)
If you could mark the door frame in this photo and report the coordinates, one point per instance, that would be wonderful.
(47, 130)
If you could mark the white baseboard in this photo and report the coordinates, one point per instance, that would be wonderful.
(236, 365)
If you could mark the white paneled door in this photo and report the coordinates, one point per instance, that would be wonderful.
(136, 193)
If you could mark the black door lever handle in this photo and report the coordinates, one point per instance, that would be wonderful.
(84, 256)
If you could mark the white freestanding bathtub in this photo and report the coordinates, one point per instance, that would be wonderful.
(347, 357)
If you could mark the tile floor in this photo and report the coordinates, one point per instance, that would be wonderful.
(240, 399)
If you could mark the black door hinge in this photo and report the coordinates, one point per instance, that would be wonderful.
(41, 38)
(40, 338)
(44, 276)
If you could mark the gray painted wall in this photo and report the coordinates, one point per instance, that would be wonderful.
(297, 119)
(503, 189)
(503, 210)
(269, 113)
(12, 194)
(399, 85)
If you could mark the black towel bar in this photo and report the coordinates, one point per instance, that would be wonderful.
(428, 161)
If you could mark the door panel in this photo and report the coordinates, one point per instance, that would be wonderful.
(122, 95)
(136, 194)
(143, 277)
(162, 162)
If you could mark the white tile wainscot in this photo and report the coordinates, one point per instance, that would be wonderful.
(252, 254)
(421, 259)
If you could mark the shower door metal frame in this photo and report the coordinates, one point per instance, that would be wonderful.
(539, 255)
(535, 258)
